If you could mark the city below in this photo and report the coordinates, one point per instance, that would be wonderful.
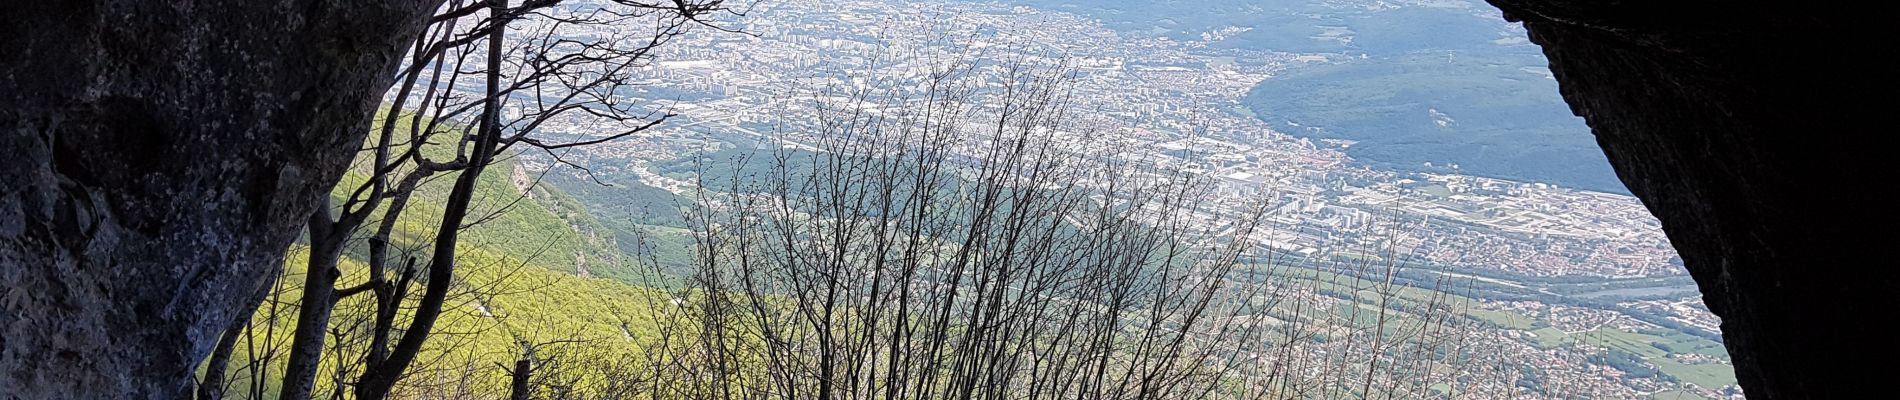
(1561, 276)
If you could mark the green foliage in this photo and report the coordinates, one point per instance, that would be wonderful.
(520, 268)
(1652, 349)
(1712, 376)
(1547, 337)
(502, 301)
(1631, 364)
(510, 213)
(647, 224)
(623, 198)
(743, 169)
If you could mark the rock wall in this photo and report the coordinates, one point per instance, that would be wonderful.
(159, 157)
(1756, 132)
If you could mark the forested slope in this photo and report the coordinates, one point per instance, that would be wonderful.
(535, 270)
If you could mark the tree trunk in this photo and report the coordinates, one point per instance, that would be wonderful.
(314, 306)
(160, 158)
(519, 379)
(378, 380)
(212, 386)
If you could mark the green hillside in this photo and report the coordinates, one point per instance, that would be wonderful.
(644, 223)
(538, 267)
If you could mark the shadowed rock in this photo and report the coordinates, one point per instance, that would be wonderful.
(1751, 130)
(159, 159)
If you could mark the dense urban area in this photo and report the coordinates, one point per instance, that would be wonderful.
(1578, 292)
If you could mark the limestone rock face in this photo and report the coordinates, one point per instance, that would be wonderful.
(1759, 134)
(156, 159)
